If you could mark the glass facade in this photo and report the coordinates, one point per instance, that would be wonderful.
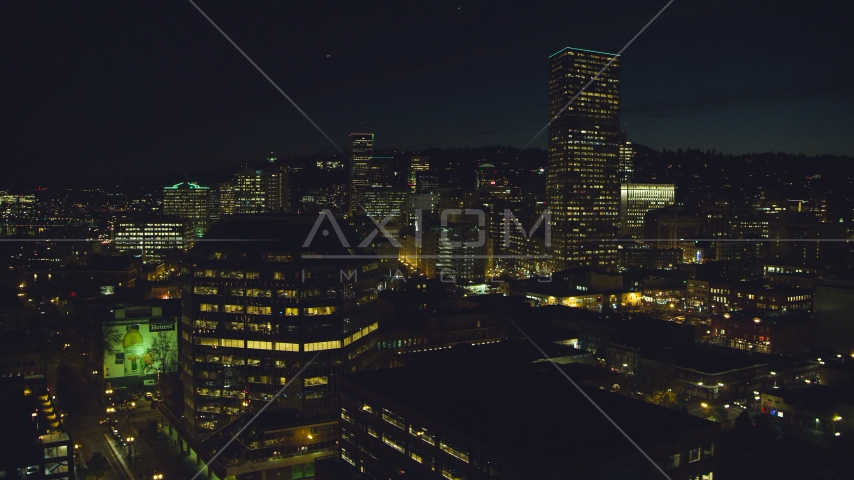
(190, 202)
(151, 239)
(254, 313)
(636, 199)
(584, 145)
(361, 152)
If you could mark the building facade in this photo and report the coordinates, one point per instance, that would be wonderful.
(763, 333)
(190, 202)
(381, 203)
(583, 185)
(419, 163)
(255, 312)
(361, 152)
(150, 238)
(636, 199)
(627, 153)
(455, 253)
(397, 425)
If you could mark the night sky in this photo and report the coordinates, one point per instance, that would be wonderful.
(116, 89)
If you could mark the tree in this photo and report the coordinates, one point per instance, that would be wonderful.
(112, 340)
(96, 467)
(162, 354)
(718, 414)
(659, 387)
(743, 421)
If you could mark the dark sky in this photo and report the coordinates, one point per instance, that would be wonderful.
(113, 89)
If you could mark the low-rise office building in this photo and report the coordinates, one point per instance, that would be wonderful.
(763, 331)
(405, 423)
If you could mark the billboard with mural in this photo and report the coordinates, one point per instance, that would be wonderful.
(137, 347)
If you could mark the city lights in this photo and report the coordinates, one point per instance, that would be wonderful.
(421, 262)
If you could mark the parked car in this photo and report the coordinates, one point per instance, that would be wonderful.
(148, 395)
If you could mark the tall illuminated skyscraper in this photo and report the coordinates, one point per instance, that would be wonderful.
(249, 194)
(361, 152)
(627, 153)
(418, 163)
(260, 191)
(583, 187)
(277, 187)
(188, 201)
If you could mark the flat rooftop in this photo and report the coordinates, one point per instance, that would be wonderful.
(533, 412)
(711, 360)
(767, 317)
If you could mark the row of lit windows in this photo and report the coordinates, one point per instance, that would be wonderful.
(250, 292)
(400, 446)
(266, 310)
(361, 333)
(328, 345)
(254, 344)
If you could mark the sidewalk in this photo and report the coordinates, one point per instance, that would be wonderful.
(157, 453)
(118, 452)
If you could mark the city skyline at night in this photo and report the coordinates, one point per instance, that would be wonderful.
(457, 82)
(382, 240)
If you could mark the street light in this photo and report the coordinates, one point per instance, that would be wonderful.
(130, 447)
(111, 411)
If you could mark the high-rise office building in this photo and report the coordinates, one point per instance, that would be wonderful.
(381, 203)
(636, 199)
(277, 188)
(381, 172)
(249, 194)
(188, 201)
(254, 313)
(260, 191)
(583, 186)
(417, 164)
(426, 181)
(361, 152)
(485, 176)
(420, 207)
(627, 153)
(457, 253)
(151, 238)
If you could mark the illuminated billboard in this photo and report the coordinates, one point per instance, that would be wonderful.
(138, 347)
